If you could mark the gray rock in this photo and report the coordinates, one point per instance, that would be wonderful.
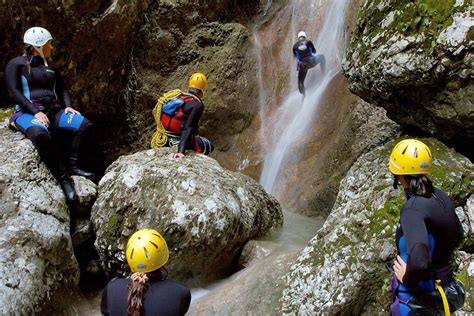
(418, 67)
(342, 270)
(36, 256)
(205, 213)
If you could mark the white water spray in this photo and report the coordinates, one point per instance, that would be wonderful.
(295, 115)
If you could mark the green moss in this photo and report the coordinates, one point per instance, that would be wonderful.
(5, 113)
(427, 17)
(113, 227)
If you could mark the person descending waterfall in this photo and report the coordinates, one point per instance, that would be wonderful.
(305, 52)
(43, 109)
(177, 116)
(426, 236)
(147, 291)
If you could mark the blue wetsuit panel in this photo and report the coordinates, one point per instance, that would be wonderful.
(70, 121)
(25, 121)
(405, 292)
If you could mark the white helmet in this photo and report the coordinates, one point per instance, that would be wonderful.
(37, 36)
(301, 34)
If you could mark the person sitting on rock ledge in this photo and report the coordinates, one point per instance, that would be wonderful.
(146, 292)
(43, 107)
(177, 116)
(426, 236)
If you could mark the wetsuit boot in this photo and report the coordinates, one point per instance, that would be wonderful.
(75, 170)
(69, 191)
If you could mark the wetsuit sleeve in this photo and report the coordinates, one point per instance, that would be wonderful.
(13, 79)
(104, 308)
(194, 111)
(61, 89)
(311, 46)
(416, 237)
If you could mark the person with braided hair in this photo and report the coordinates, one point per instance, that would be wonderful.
(147, 291)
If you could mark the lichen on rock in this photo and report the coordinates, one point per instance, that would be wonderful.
(205, 213)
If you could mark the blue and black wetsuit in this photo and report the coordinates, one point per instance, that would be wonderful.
(163, 297)
(426, 237)
(305, 52)
(35, 87)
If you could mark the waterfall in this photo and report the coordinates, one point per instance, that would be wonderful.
(293, 119)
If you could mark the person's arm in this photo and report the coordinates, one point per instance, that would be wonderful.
(13, 79)
(311, 46)
(416, 238)
(61, 89)
(195, 109)
(104, 308)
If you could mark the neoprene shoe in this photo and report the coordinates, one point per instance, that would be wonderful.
(79, 172)
(68, 188)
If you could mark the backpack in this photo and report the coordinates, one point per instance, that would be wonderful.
(169, 116)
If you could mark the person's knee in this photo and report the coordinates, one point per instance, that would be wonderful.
(39, 136)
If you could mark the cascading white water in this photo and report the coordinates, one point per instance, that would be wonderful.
(295, 115)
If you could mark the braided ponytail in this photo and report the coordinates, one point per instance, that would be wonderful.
(28, 53)
(136, 291)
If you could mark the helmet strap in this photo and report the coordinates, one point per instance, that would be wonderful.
(39, 49)
(396, 183)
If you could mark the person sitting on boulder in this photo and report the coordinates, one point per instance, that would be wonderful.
(426, 236)
(147, 291)
(177, 116)
(43, 107)
(305, 52)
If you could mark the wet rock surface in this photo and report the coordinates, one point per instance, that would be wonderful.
(416, 60)
(205, 213)
(342, 269)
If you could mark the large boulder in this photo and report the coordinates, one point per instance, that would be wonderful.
(205, 213)
(342, 270)
(36, 255)
(417, 61)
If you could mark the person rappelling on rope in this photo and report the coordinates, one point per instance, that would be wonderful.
(305, 52)
(177, 116)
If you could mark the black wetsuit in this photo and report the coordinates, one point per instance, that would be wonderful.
(193, 111)
(305, 52)
(419, 218)
(43, 89)
(303, 48)
(163, 297)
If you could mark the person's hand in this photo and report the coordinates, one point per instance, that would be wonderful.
(71, 110)
(399, 267)
(42, 118)
(176, 155)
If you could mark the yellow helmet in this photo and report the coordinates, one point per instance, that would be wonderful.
(146, 251)
(410, 156)
(198, 81)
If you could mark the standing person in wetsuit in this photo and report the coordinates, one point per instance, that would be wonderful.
(305, 52)
(147, 291)
(177, 115)
(426, 235)
(43, 107)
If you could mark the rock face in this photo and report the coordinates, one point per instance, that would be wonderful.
(342, 269)
(36, 255)
(119, 56)
(205, 213)
(416, 60)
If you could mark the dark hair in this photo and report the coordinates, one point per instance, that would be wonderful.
(138, 287)
(420, 185)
